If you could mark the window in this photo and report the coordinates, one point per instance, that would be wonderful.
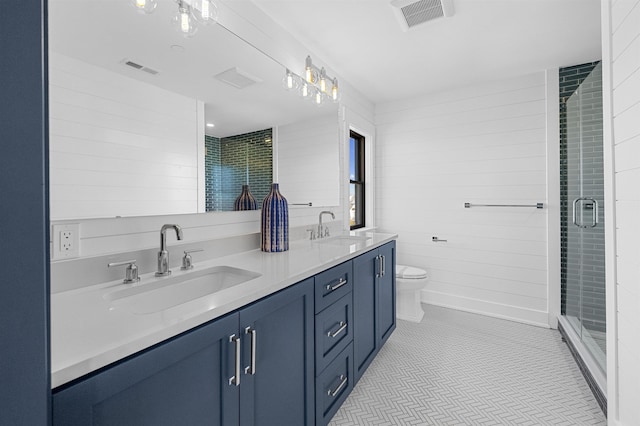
(356, 180)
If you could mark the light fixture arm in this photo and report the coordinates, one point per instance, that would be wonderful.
(315, 75)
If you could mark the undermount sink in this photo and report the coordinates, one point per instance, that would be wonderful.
(342, 239)
(165, 293)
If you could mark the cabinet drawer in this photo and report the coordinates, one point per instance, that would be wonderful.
(334, 331)
(333, 284)
(333, 386)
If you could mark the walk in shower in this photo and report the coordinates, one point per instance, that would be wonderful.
(583, 246)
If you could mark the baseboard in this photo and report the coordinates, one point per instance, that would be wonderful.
(496, 310)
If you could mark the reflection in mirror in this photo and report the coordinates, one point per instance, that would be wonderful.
(129, 103)
(238, 170)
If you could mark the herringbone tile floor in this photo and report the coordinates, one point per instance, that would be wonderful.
(457, 368)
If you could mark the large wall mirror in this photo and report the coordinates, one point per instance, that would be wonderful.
(146, 122)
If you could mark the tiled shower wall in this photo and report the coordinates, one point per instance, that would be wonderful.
(235, 161)
(583, 275)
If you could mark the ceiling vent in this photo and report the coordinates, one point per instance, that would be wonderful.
(412, 13)
(237, 78)
(138, 67)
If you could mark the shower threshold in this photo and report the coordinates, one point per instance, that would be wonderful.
(589, 365)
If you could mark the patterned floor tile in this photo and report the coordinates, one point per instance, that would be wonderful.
(458, 368)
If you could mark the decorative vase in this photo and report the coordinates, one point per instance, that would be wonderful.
(245, 201)
(275, 222)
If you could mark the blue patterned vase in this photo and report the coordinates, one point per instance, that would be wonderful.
(275, 222)
(245, 201)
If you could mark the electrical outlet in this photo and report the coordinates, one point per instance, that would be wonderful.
(66, 241)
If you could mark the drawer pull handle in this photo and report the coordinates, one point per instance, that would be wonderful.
(254, 335)
(235, 380)
(334, 287)
(333, 393)
(342, 325)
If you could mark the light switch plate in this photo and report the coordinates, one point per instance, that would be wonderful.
(66, 241)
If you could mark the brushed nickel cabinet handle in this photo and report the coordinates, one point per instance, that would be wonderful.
(344, 380)
(342, 325)
(251, 369)
(334, 287)
(235, 380)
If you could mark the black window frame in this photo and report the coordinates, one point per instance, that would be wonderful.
(359, 181)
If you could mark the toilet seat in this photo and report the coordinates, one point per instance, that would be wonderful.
(410, 272)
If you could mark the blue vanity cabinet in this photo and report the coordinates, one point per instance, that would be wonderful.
(192, 378)
(180, 382)
(333, 338)
(374, 300)
(277, 385)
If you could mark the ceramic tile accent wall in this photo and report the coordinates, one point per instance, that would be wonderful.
(213, 181)
(234, 161)
(582, 252)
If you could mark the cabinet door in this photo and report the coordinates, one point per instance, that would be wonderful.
(181, 382)
(279, 332)
(365, 269)
(386, 286)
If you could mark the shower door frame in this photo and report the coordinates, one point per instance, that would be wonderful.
(583, 355)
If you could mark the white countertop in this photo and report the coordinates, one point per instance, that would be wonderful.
(88, 332)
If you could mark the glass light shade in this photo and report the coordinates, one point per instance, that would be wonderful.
(290, 81)
(306, 90)
(205, 11)
(318, 97)
(323, 80)
(335, 93)
(145, 6)
(183, 20)
(308, 70)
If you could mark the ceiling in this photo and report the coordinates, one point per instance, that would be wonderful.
(363, 42)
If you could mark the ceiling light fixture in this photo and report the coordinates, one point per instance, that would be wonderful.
(315, 84)
(190, 14)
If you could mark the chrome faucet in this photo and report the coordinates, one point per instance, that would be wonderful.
(163, 254)
(324, 232)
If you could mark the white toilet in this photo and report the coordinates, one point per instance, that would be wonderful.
(409, 282)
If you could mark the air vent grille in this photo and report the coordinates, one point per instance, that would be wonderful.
(412, 13)
(237, 78)
(422, 11)
(139, 67)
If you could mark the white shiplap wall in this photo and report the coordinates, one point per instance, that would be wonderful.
(622, 40)
(482, 144)
(144, 141)
(309, 161)
(118, 146)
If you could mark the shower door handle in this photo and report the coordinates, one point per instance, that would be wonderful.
(594, 215)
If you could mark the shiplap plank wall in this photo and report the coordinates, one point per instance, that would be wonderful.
(309, 161)
(483, 144)
(149, 158)
(625, 25)
(118, 146)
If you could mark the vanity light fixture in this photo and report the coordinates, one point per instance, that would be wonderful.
(145, 6)
(184, 21)
(190, 14)
(316, 84)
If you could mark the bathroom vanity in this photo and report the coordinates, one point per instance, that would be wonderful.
(283, 348)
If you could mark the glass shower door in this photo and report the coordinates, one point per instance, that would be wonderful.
(585, 282)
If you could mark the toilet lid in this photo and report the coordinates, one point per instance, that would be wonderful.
(410, 272)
